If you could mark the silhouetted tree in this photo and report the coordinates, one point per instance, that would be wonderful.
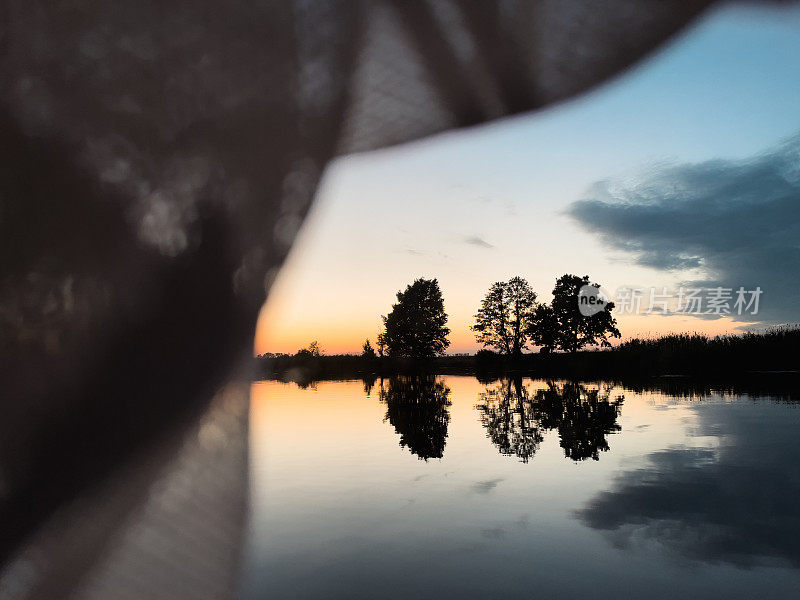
(575, 330)
(505, 318)
(415, 326)
(381, 342)
(544, 328)
(313, 351)
(417, 409)
(368, 351)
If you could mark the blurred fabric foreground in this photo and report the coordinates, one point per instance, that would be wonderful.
(157, 161)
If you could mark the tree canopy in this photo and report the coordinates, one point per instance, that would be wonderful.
(544, 329)
(368, 351)
(416, 325)
(506, 316)
(313, 351)
(565, 328)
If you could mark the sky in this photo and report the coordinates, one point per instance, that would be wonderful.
(683, 171)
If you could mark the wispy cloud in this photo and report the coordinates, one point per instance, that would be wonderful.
(736, 222)
(475, 240)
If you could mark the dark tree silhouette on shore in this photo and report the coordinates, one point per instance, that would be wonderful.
(368, 351)
(506, 317)
(544, 329)
(416, 406)
(415, 327)
(380, 342)
(313, 351)
(565, 328)
(515, 420)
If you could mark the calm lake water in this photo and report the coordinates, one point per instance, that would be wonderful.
(448, 487)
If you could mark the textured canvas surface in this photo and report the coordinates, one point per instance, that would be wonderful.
(157, 161)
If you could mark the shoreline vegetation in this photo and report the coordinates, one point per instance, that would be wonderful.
(573, 339)
(775, 352)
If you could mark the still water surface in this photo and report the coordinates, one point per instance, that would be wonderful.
(447, 487)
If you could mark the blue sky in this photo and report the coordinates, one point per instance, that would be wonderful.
(476, 206)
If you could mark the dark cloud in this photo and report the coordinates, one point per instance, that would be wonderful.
(474, 240)
(734, 504)
(737, 221)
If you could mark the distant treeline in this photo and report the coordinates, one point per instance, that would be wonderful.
(679, 355)
(509, 320)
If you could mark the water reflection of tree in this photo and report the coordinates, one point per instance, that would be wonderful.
(505, 411)
(369, 383)
(417, 409)
(516, 420)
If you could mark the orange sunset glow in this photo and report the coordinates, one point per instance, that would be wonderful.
(541, 195)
